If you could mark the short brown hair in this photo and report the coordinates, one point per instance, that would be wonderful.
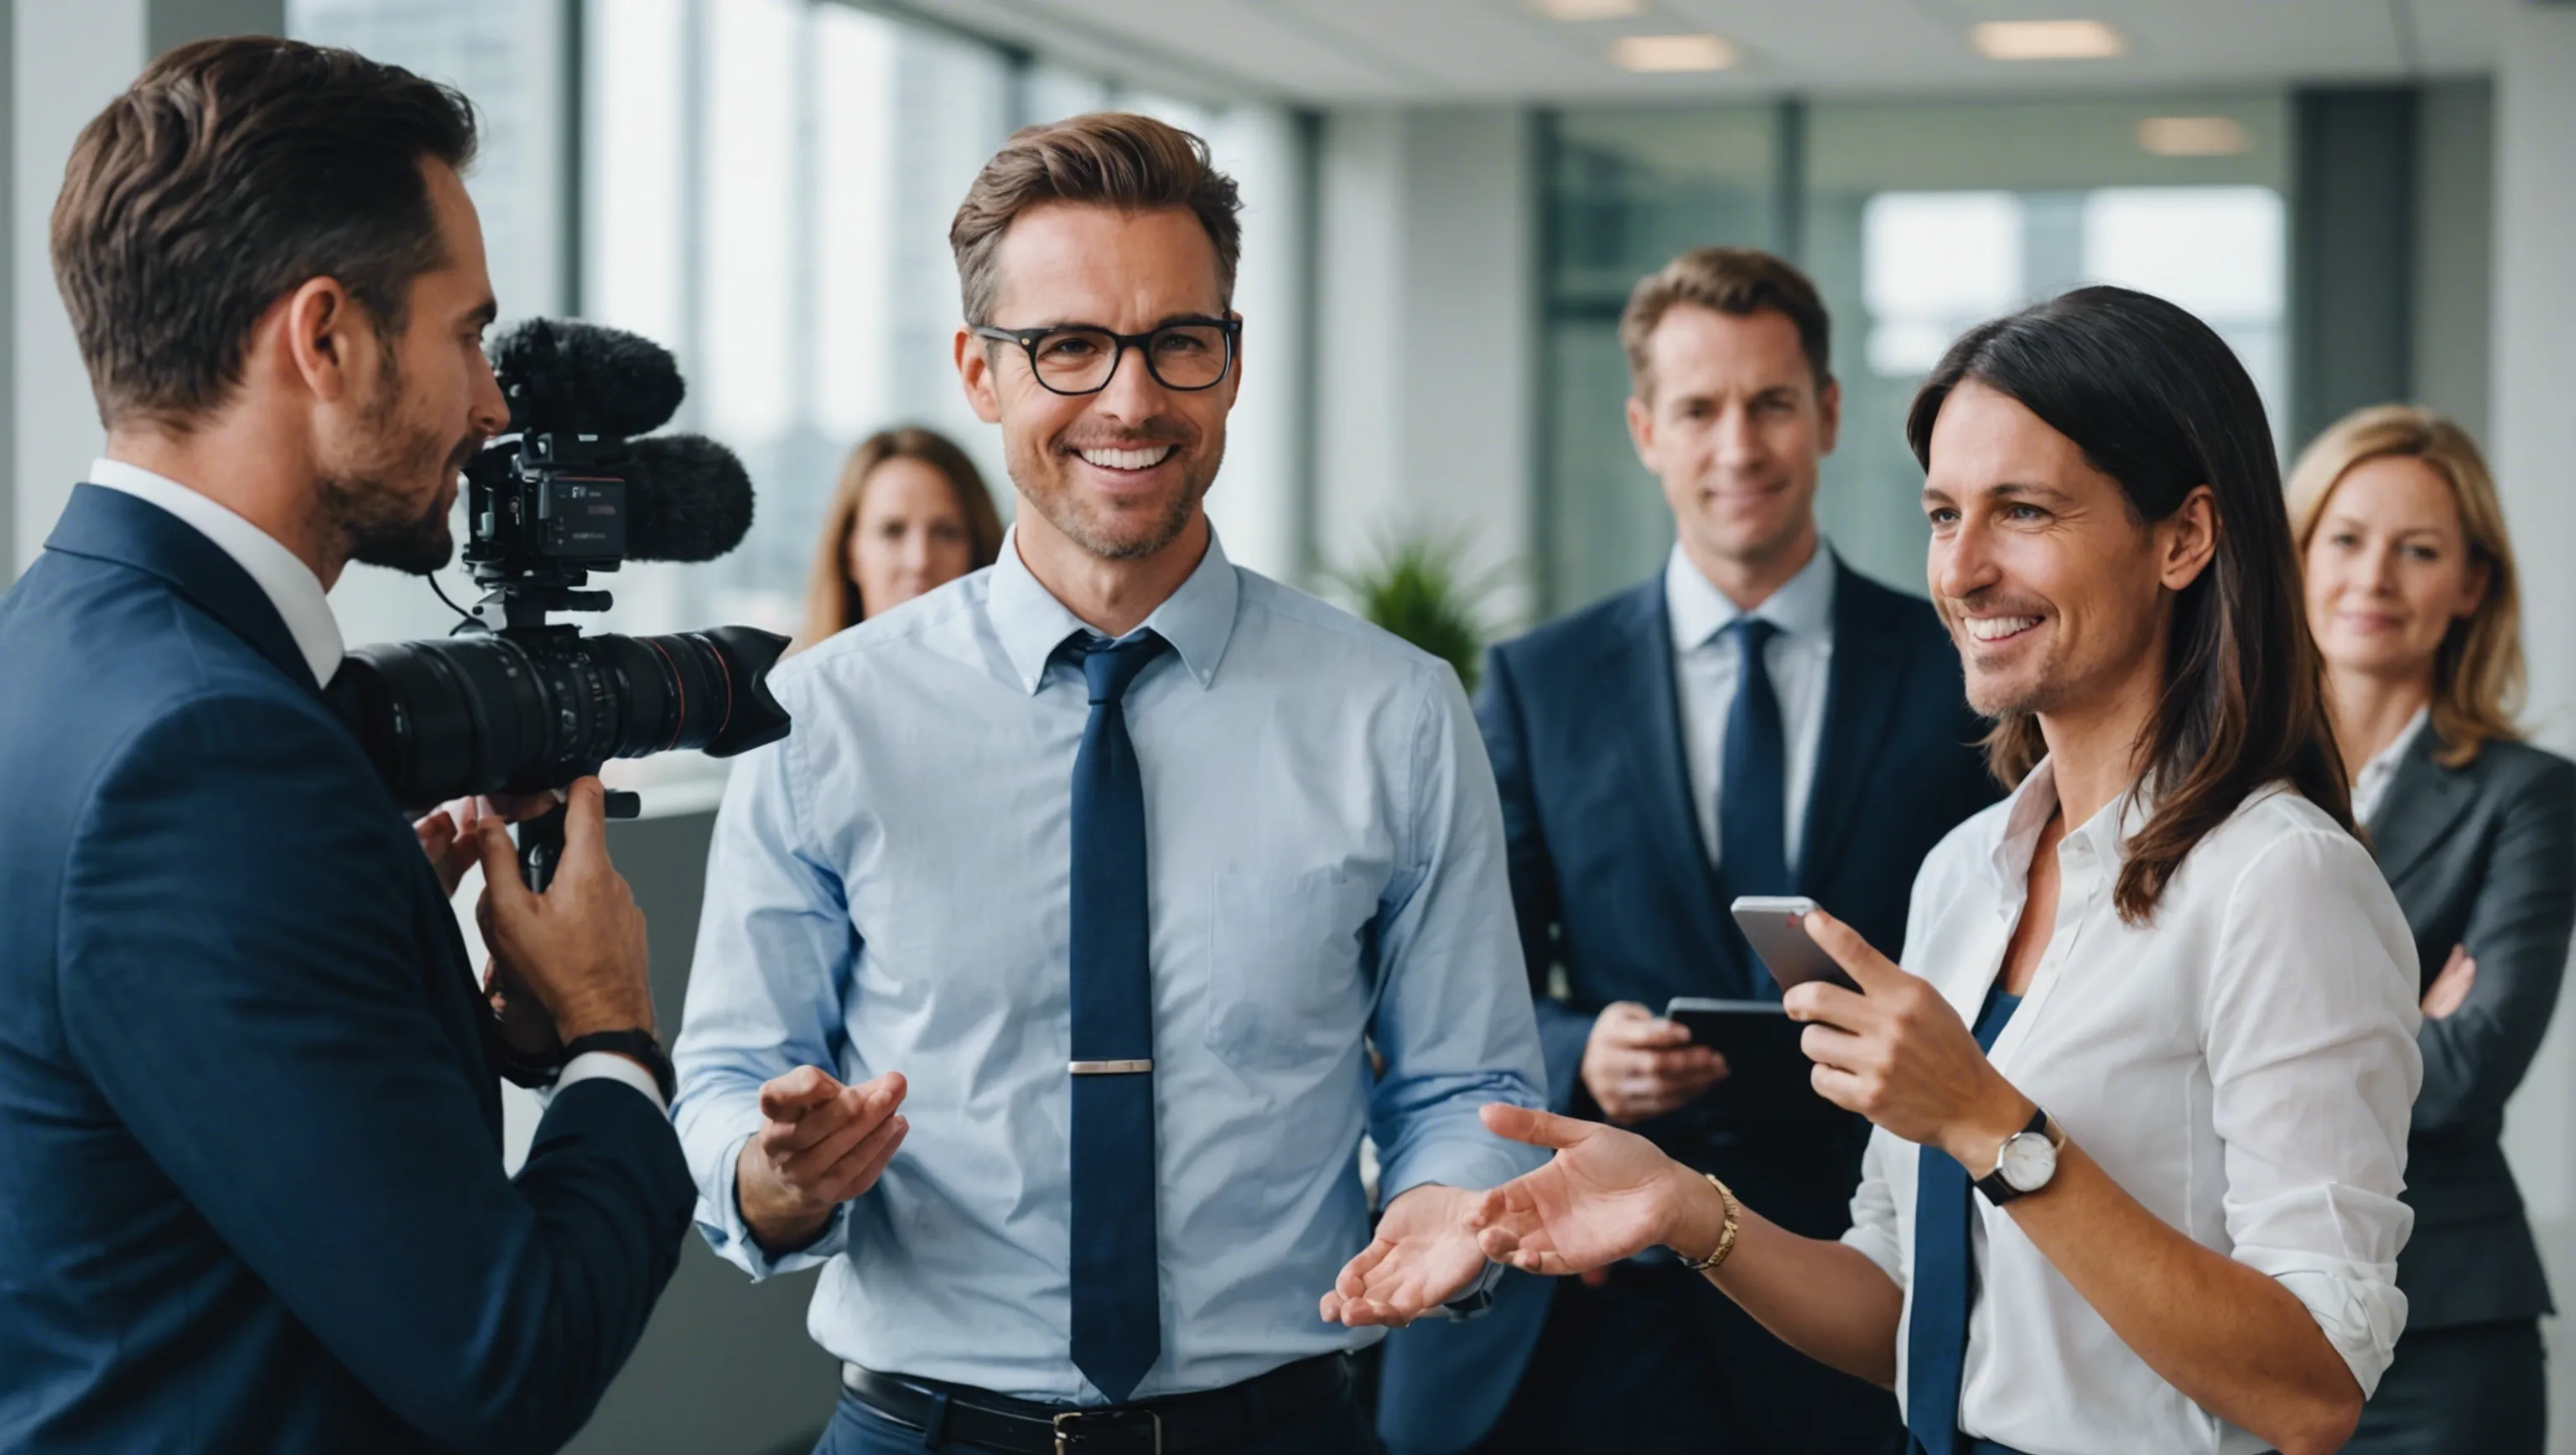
(2478, 670)
(832, 601)
(228, 175)
(1737, 281)
(1103, 159)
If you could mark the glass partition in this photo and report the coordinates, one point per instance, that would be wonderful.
(1624, 191)
(1917, 219)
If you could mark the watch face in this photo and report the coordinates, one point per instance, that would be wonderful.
(2027, 1161)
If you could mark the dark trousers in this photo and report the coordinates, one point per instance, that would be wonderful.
(1657, 1362)
(2478, 1389)
(1334, 1428)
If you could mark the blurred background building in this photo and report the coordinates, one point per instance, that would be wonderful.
(1446, 204)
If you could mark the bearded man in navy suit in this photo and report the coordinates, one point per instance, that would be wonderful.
(251, 1188)
(1758, 719)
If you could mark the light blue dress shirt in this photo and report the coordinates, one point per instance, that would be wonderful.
(888, 892)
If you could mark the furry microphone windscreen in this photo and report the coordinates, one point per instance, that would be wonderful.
(687, 499)
(563, 374)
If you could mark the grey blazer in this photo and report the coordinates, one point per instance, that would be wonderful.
(2483, 856)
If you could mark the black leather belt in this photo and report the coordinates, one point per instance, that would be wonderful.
(955, 1414)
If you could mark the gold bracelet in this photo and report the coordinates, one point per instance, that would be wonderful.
(1725, 1236)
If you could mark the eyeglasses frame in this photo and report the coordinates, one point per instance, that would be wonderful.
(1120, 343)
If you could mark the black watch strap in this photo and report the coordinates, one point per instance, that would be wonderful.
(1997, 1190)
(639, 1045)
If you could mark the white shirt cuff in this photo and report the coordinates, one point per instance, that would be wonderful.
(2357, 1305)
(616, 1068)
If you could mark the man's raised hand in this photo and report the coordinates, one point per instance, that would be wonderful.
(820, 1144)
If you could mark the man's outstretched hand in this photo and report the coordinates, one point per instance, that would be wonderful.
(1424, 1255)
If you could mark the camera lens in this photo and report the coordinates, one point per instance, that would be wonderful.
(522, 711)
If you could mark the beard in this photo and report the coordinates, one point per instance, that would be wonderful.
(1042, 475)
(367, 500)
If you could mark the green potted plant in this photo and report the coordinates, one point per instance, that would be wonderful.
(1418, 588)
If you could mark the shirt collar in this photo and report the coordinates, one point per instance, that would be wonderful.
(2034, 802)
(1197, 619)
(281, 575)
(2385, 761)
(1802, 607)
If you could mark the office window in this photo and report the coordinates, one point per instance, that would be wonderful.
(769, 189)
(1922, 219)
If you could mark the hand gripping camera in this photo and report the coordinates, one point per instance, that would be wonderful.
(514, 703)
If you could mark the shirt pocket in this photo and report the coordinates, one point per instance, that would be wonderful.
(1286, 988)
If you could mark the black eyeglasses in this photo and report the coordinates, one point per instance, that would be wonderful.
(1187, 354)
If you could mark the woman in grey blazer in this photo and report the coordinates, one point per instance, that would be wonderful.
(2411, 595)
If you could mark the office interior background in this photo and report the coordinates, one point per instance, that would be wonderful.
(1446, 204)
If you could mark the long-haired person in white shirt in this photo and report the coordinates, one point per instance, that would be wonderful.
(2168, 937)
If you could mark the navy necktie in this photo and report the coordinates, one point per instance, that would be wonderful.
(1117, 1306)
(1753, 774)
(1936, 1340)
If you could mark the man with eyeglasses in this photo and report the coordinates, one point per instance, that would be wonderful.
(1102, 869)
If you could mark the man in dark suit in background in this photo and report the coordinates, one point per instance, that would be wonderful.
(1757, 719)
(251, 1192)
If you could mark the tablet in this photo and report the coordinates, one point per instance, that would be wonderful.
(1760, 1044)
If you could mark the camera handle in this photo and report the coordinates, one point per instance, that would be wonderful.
(541, 838)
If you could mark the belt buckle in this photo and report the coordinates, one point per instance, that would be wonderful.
(1069, 1426)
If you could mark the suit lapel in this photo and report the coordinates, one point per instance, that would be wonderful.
(110, 525)
(2424, 803)
(1861, 691)
(1637, 685)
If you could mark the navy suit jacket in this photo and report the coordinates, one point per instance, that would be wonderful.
(1612, 884)
(251, 1193)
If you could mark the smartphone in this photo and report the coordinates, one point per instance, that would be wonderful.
(1775, 924)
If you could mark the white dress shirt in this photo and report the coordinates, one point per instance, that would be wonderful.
(1706, 668)
(2243, 1065)
(297, 595)
(2370, 785)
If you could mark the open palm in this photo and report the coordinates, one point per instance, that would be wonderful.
(1602, 1197)
(1423, 1256)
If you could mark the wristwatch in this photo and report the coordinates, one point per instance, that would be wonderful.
(639, 1045)
(2025, 1162)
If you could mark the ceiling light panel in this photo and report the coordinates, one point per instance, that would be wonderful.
(1582, 10)
(2194, 136)
(2047, 40)
(1665, 54)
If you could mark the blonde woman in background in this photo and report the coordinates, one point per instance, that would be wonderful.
(2411, 596)
(910, 515)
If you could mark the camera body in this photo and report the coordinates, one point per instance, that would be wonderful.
(514, 702)
(558, 498)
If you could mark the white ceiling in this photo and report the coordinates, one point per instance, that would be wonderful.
(1431, 52)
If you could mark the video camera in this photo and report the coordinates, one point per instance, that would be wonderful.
(513, 703)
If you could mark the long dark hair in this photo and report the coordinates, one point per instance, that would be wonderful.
(2158, 402)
